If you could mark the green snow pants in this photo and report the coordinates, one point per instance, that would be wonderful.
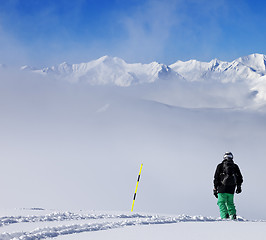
(226, 204)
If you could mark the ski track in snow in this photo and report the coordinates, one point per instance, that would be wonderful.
(57, 216)
(118, 221)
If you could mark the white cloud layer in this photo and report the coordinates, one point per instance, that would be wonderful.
(58, 152)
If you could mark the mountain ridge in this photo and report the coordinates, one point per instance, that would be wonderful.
(251, 66)
(247, 74)
(106, 70)
(122, 73)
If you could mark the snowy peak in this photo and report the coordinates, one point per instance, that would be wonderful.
(114, 70)
(249, 71)
(64, 68)
(109, 70)
(255, 61)
(194, 70)
(196, 65)
(245, 68)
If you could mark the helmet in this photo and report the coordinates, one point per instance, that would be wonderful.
(228, 155)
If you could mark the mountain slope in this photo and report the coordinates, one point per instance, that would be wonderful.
(255, 61)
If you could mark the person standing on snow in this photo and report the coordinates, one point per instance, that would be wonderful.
(227, 178)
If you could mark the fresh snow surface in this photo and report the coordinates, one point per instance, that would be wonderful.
(25, 224)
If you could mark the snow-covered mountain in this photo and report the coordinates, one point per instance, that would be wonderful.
(248, 71)
(257, 62)
(247, 68)
(107, 70)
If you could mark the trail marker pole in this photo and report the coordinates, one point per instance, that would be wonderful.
(135, 194)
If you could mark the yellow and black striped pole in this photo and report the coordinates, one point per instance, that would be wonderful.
(135, 194)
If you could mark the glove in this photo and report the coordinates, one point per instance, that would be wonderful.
(238, 189)
(215, 193)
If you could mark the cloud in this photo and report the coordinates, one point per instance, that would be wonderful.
(170, 30)
(103, 108)
(138, 31)
(147, 30)
(11, 51)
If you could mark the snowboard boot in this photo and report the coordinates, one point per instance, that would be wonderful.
(227, 216)
(233, 217)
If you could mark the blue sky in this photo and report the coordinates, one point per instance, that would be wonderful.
(48, 32)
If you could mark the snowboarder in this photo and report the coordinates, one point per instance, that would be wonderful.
(227, 179)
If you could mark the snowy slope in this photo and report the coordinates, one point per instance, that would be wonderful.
(255, 61)
(30, 224)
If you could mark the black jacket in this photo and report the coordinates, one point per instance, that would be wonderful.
(218, 177)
